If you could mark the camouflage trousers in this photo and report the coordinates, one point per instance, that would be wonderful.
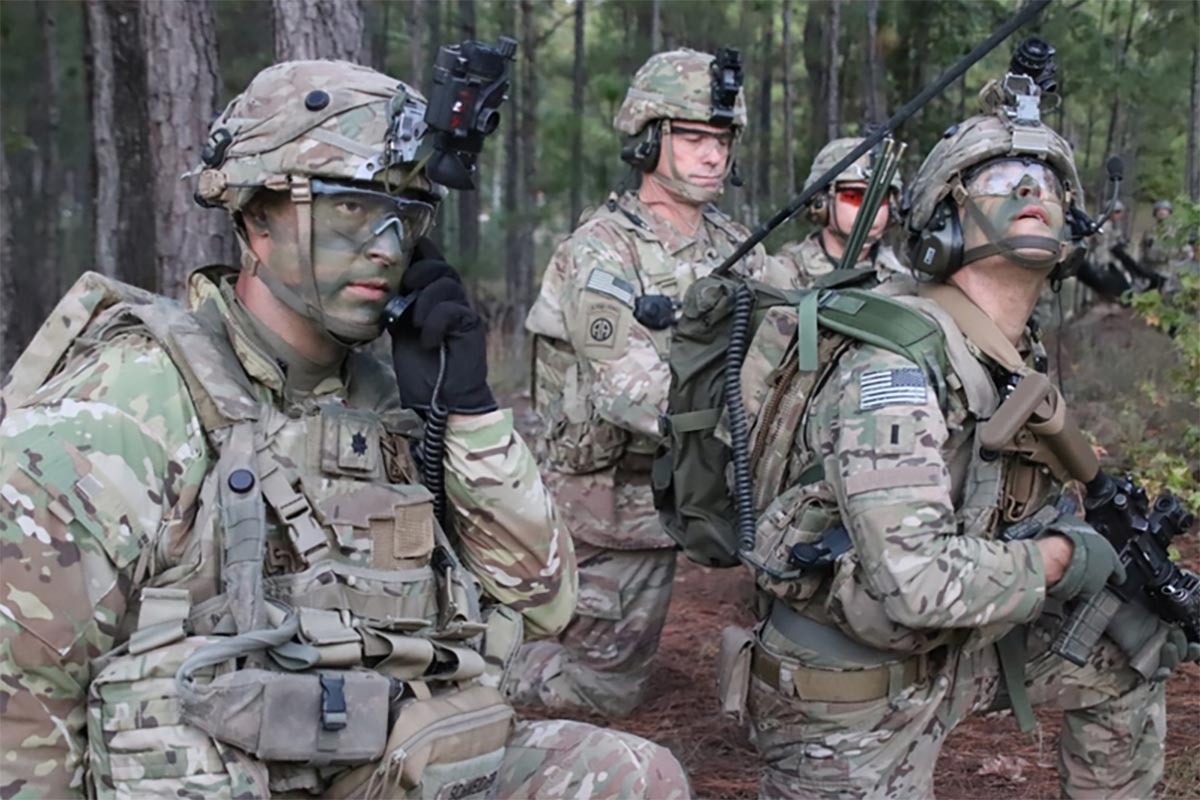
(1112, 741)
(562, 758)
(602, 661)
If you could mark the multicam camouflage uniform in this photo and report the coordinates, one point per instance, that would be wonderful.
(600, 385)
(121, 519)
(807, 259)
(857, 677)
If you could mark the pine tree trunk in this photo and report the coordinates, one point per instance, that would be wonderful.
(876, 104)
(656, 35)
(9, 271)
(817, 70)
(512, 170)
(48, 185)
(468, 202)
(125, 244)
(1193, 134)
(1115, 114)
(789, 151)
(577, 81)
(419, 66)
(833, 96)
(766, 74)
(180, 43)
(306, 29)
(529, 163)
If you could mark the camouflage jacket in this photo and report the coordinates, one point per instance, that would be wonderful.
(104, 472)
(806, 260)
(600, 376)
(896, 455)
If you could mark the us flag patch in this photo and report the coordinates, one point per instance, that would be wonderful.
(611, 285)
(892, 387)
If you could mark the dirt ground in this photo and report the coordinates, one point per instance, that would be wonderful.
(986, 756)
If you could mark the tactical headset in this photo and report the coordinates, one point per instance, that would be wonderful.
(937, 250)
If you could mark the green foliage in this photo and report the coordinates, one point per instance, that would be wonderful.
(1174, 463)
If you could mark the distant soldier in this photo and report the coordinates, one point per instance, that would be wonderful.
(834, 211)
(1156, 251)
(602, 327)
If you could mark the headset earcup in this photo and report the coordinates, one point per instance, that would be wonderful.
(818, 210)
(937, 250)
(642, 152)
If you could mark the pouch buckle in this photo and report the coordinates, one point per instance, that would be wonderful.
(333, 703)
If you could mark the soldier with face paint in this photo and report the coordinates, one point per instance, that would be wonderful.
(221, 576)
(834, 212)
(602, 323)
(895, 601)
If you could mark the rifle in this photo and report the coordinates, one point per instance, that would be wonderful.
(1118, 509)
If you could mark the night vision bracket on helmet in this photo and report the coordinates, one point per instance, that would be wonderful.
(470, 82)
(727, 80)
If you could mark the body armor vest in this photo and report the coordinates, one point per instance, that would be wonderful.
(317, 617)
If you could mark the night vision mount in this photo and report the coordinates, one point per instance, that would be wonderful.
(470, 82)
(727, 79)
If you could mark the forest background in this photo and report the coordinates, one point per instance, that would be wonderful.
(105, 103)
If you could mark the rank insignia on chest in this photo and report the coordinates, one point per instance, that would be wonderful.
(892, 387)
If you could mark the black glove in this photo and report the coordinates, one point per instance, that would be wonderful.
(439, 315)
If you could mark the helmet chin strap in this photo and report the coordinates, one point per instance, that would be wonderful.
(682, 189)
(1008, 246)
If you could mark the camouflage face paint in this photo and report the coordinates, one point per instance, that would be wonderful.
(360, 240)
(1017, 198)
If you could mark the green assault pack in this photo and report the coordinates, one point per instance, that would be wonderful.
(696, 488)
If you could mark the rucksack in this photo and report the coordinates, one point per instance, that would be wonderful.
(703, 495)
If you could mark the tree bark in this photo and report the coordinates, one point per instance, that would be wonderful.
(656, 37)
(1115, 114)
(125, 244)
(512, 169)
(577, 82)
(48, 183)
(523, 283)
(9, 270)
(306, 29)
(833, 97)
(468, 202)
(418, 64)
(816, 69)
(789, 150)
(876, 105)
(180, 42)
(767, 72)
(1193, 134)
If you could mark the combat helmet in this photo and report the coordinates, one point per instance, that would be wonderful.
(1009, 128)
(1163, 205)
(687, 86)
(860, 170)
(302, 125)
(682, 84)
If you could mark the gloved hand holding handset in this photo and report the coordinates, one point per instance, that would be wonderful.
(436, 335)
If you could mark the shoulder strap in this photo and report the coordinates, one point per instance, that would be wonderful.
(886, 323)
(78, 311)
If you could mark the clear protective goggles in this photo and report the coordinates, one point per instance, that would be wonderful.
(721, 140)
(1002, 177)
(361, 215)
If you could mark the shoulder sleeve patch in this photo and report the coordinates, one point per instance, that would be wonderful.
(609, 284)
(892, 387)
